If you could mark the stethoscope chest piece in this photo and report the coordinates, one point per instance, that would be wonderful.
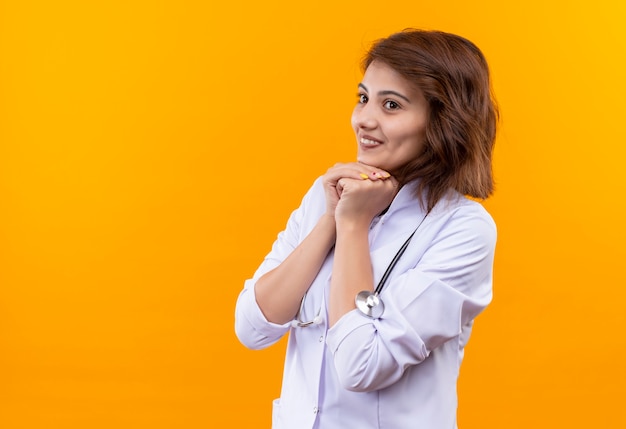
(369, 304)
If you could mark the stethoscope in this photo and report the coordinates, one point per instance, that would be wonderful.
(367, 302)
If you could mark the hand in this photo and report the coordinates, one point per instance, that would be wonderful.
(354, 171)
(361, 200)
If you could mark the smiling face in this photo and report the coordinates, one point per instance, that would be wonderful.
(389, 120)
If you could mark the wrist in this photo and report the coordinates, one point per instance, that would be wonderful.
(327, 225)
(351, 226)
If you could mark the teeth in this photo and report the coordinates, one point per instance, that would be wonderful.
(368, 141)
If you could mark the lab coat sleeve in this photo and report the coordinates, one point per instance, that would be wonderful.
(425, 307)
(251, 326)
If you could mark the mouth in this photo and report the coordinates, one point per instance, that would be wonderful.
(368, 142)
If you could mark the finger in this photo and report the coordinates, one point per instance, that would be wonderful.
(374, 173)
(379, 175)
(356, 171)
(339, 186)
(348, 171)
(391, 185)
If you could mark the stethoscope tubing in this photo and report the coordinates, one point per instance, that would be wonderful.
(367, 302)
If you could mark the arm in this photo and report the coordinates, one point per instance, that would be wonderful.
(278, 292)
(352, 270)
(272, 297)
(442, 283)
(252, 328)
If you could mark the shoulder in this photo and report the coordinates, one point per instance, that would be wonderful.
(458, 214)
(457, 205)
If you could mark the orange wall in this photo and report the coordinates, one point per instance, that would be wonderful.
(150, 152)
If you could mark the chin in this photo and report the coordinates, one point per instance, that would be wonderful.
(369, 161)
(394, 170)
(374, 163)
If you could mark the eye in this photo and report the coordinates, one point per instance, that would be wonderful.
(362, 98)
(391, 105)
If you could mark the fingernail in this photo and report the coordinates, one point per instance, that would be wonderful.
(364, 176)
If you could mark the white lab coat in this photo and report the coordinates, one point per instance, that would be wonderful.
(398, 371)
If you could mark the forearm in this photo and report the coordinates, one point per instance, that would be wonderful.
(352, 269)
(279, 292)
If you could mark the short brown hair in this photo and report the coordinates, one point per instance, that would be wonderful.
(453, 75)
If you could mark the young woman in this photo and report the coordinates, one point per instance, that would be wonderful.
(382, 269)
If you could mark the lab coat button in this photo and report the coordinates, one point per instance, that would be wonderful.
(321, 338)
(316, 410)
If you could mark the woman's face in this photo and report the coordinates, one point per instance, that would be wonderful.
(389, 120)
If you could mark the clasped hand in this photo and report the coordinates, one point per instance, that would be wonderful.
(356, 192)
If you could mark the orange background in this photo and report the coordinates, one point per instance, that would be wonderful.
(150, 151)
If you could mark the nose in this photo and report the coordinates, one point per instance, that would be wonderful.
(364, 117)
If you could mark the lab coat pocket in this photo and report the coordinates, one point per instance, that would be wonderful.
(276, 415)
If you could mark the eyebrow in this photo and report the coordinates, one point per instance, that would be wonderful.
(387, 92)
